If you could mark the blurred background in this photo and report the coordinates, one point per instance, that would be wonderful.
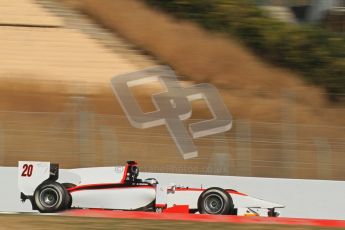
(279, 66)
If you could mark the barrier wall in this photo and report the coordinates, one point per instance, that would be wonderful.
(303, 198)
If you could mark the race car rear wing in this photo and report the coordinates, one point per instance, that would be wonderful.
(32, 173)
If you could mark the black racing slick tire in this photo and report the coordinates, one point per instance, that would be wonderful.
(69, 201)
(51, 197)
(215, 201)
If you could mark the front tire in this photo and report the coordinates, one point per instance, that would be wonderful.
(51, 197)
(215, 201)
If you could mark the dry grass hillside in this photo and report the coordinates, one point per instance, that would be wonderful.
(203, 56)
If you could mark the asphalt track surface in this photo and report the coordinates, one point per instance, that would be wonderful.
(104, 219)
(203, 218)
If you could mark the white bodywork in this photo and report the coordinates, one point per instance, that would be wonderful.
(120, 198)
(91, 175)
(110, 192)
(28, 182)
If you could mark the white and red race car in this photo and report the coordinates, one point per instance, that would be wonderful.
(51, 189)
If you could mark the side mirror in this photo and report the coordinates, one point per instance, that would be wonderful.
(171, 188)
(151, 181)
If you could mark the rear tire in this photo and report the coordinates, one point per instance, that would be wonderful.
(51, 197)
(215, 201)
(67, 186)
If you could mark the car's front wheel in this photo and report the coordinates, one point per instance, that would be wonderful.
(51, 197)
(215, 201)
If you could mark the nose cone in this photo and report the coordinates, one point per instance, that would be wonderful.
(266, 204)
(252, 202)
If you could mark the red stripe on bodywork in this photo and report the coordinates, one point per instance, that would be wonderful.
(111, 186)
(89, 186)
(231, 191)
(189, 189)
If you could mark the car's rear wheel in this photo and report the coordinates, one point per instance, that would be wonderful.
(67, 186)
(215, 201)
(51, 197)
